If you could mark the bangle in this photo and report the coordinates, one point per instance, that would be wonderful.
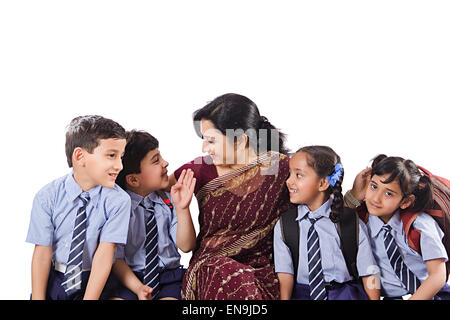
(351, 199)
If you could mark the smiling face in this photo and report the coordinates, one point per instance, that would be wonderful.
(216, 144)
(383, 199)
(153, 175)
(305, 186)
(102, 166)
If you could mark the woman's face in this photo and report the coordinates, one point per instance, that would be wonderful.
(216, 144)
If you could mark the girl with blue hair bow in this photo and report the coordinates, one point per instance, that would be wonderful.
(320, 271)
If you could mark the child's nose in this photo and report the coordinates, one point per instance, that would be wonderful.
(118, 165)
(377, 197)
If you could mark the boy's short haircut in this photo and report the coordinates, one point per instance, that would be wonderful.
(139, 143)
(86, 131)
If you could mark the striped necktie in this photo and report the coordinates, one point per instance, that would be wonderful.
(72, 276)
(151, 272)
(316, 280)
(408, 278)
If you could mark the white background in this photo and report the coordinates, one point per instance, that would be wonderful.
(365, 77)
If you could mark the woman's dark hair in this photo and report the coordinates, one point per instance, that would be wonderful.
(139, 143)
(323, 160)
(86, 131)
(411, 181)
(236, 112)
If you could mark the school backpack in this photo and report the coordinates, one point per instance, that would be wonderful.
(165, 198)
(348, 230)
(440, 211)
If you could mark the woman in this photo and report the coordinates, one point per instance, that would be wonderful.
(240, 192)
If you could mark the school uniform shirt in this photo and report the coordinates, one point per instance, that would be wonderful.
(166, 222)
(333, 262)
(430, 243)
(53, 215)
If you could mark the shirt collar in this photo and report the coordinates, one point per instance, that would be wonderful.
(137, 199)
(74, 190)
(324, 211)
(376, 224)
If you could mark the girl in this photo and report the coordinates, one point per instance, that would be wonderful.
(314, 184)
(392, 187)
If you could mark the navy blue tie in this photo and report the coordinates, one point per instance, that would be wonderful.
(151, 272)
(407, 277)
(316, 279)
(72, 276)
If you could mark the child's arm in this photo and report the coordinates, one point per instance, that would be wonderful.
(358, 191)
(286, 285)
(40, 268)
(101, 267)
(181, 194)
(129, 279)
(371, 286)
(436, 279)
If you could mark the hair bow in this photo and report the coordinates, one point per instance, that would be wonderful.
(334, 177)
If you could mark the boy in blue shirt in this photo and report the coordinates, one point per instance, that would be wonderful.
(77, 220)
(148, 266)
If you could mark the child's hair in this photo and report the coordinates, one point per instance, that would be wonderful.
(323, 160)
(86, 131)
(235, 111)
(139, 143)
(411, 181)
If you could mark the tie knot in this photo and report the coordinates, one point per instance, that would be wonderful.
(147, 204)
(85, 197)
(314, 220)
(387, 228)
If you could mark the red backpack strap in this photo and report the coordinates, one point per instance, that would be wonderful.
(412, 235)
(363, 213)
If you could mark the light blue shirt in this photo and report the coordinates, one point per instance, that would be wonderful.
(166, 221)
(53, 215)
(333, 262)
(430, 243)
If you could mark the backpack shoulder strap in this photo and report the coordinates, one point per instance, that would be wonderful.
(362, 212)
(165, 198)
(412, 235)
(348, 230)
(291, 235)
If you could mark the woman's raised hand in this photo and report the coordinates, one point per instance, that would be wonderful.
(183, 190)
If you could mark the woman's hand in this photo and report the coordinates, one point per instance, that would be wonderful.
(183, 190)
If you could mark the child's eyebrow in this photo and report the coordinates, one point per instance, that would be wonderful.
(112, 150)
(155, 155)
(390, 190)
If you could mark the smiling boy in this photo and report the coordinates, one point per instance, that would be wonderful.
(77, 220)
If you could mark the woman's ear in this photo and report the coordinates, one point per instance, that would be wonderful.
(407, 201)
(242, 141)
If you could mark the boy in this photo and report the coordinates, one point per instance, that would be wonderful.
(77, 220)
(148, 266)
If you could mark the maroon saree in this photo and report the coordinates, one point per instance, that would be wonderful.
(238, 211)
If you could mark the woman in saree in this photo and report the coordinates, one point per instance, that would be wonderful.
(241, 192)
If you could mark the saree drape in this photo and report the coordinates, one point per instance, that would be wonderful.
(233, 258)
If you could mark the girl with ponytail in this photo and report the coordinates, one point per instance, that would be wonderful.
(315, 184)
(392, 189)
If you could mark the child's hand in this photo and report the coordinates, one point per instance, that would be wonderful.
(361, 183)
(145, 293)
(183, 190)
